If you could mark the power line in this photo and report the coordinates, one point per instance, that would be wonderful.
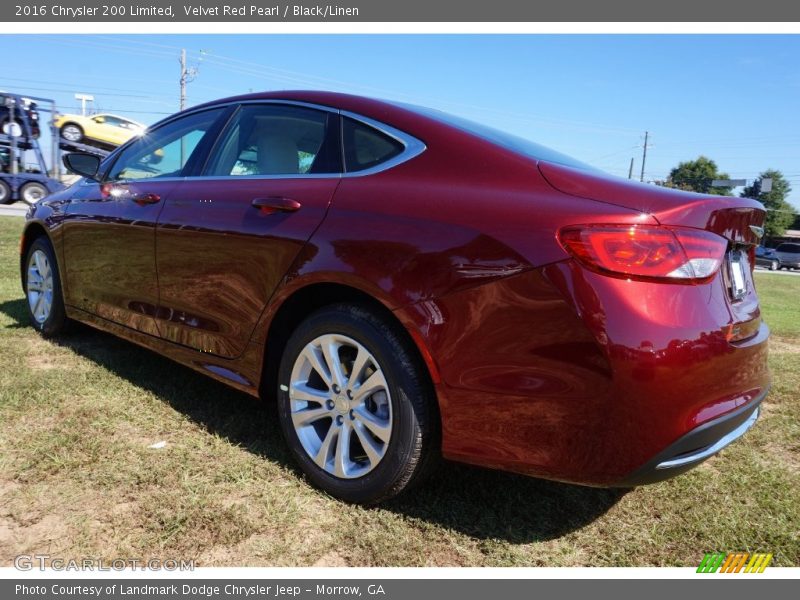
(115, 95)
(275, 74)
(94, 86)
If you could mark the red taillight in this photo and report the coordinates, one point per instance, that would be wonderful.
(646, 251)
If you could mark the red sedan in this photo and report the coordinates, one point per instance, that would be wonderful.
(408, 285)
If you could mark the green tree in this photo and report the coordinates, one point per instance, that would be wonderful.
(780, 214)
(696, 176)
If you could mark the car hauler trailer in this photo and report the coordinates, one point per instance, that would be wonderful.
(31, 181)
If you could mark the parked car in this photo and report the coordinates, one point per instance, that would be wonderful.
(108, 131)
(408, 285)
(30, 108)
(789, 255)
(766, 257)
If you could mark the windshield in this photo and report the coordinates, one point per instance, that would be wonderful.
(500, 138)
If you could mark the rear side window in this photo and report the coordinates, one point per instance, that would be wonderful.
(273, 139)
(366, 147)
(789, 248)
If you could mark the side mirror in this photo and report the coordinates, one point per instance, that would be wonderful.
(82, 164)
(99, 119)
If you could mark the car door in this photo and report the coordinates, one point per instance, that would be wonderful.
(226, 238)
(109, 246)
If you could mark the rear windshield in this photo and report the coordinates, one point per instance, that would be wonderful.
(790, 248)
(500, 138)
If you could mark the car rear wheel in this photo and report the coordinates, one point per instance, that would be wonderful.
(32, 192)
(355, 406)
(72, 132)
(5, 193)
(43, 289)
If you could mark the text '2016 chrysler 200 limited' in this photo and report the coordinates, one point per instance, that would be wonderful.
(408, 285)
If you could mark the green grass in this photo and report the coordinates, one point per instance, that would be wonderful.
(77, 476)
(780, 302)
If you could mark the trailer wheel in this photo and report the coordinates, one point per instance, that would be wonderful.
(72, 132)
(32, 192)
(5, 193)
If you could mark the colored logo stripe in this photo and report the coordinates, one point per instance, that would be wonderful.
(758, 563)
(711, 562)
(734, 562)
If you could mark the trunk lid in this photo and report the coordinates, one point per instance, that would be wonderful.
(727, 216)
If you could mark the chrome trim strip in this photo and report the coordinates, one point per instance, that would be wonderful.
(713, 448)
(195, 109)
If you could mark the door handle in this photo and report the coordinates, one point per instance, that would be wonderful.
(146, 198)
(274, 204)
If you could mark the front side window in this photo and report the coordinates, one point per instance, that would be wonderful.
(274, 139)
(789, 248)
(113, 121)
(165, 151)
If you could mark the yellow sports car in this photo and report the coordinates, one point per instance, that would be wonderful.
(103, 130)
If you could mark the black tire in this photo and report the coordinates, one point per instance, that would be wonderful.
(71, 125)
(413, 447)
(5, 193)
(32, 192)
(56, 321)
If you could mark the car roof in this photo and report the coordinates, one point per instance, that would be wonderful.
(418, 121)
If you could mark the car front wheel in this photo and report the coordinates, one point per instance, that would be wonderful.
(43, 289)
(72, 132)
(355, 405)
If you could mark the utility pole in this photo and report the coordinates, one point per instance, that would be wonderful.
(188, 74)
(644, 154)
(183, 78)
(630, 170)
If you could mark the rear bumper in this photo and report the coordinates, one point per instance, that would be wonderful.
(592, 380)
(697, 445)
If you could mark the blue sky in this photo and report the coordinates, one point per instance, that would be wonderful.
(731, 97)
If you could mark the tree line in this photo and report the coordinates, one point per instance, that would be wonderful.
(697, 175)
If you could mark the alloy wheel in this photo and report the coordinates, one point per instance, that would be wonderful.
(40, 286)
(340, 406)
(71, 133)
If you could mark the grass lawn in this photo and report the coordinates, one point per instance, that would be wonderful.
(78, 478)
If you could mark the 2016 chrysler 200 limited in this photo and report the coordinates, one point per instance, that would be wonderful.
(409, 285)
